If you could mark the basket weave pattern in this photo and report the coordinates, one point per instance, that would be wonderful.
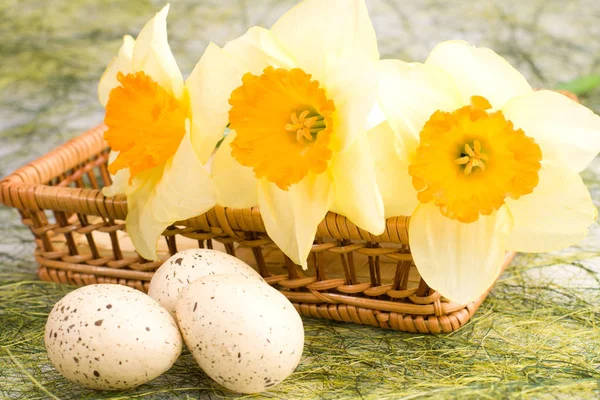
(353, 276)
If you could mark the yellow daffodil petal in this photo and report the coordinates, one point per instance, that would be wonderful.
(391, 171)
(568, 133)
(209, 86)
(120, 180)
(143, 229)
(120, 63)
(459, 260)
(291, 217)
(152, 54)
(556, 215)
(257, 49)
(237, 185)
(120, 184)
(479, 72)
(353, 86)
(185, 189)
(409, 93)
(315, 28)
(375, 117)
(356, 194)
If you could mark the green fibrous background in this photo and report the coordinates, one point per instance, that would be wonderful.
(537, 334)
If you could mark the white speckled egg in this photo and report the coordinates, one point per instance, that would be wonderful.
(111, 337)
(244, 334)
(189, 265)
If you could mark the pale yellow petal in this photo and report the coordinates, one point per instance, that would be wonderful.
(236, 184)
(120, 63)
(315, 29)
(375, 117)
(257, 49)
(153, 56)
(352, 86)
(291, 217)
(120, 181)
(356, 193)
(143, 229)
(556, 215)
(120, 184)
(391, 171)
(409, 93)
(185, 189)
(567, 132)
(479, 71)
(209, 86)
(459, 260)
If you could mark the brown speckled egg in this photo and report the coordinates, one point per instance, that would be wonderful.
(244, 334)
(189, 265)
(111, 337)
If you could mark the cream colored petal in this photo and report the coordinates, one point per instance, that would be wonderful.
(185, 189)
(459, 260)
(236, 184)
(391, 171)
(479, 71)
(375, 117)
(556, 215)
(409, 93)
(567, 132)
(120, 63)
(291, 217)
(257, 49)
(143, 229)
(120, 181)
(153, 55)
(315, 29)
(209, 86)
(356, 193)
(120, 184)
(353, 88)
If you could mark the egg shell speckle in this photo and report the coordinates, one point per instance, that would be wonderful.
(188, 265)
(111, 337)
(244, 334)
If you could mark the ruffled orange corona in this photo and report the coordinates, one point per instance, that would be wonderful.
(145, 124)
(283, 122)
(470, 160)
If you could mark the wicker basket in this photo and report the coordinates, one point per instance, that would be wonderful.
(353, 276)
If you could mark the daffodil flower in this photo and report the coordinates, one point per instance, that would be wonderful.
(158, 150)
(296, 98)
(482, 163)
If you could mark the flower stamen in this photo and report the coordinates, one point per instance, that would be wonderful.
(473, 158)
(305, 128)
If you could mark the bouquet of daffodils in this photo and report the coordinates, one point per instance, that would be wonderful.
(310, 120)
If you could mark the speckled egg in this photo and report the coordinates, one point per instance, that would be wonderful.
(244, 334)
(189, 265)
(111, 337)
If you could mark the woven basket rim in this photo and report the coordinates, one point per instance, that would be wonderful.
(41, 187)
(26, 188)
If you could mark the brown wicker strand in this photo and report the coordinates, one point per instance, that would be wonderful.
(353, 276)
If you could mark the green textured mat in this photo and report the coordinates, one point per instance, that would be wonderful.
(531, 337)
(536, 336)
